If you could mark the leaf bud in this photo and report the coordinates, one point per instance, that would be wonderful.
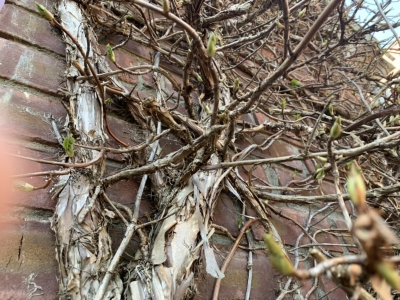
(279, 25)
(356, 187)
(110, 53)
(277, 256)
(302, 12)
(336, 128)
(283, 104)
(236, 85)
(212, 45)
(165, 6)
(389, 273)
(44, 12)
(68, 145)
(23, 186)
(331, 112)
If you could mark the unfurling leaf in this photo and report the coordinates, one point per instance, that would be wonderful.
(389, 273)
(277, 256)
(236, 85)
(336, 128)
(212, 45)
(295, 82)
(165, 6)
(322, 159)
(68, 145)
(110, 53)
(44, 12)
(331, 112)
(23, 186)
(302, 12)
(356, 187)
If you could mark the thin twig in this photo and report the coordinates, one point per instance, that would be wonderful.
(230, 255)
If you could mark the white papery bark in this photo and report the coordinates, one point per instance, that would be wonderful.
(172, 272)
(83, 243)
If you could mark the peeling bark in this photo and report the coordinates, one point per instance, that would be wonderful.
(83, 243)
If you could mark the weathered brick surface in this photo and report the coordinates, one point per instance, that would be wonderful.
(18, 24)
(27, 248)
(265, 278)
(225, 214)
(30, 4)
(131, 46)
(26, 66)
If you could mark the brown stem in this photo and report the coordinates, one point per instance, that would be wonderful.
(230, 255)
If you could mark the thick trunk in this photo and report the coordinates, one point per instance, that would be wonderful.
(80, 224)
(176, 245)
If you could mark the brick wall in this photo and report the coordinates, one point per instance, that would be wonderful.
(31, 71)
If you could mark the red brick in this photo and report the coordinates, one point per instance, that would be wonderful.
(15, 286)
(257, 173)
(131, 46)
(285, 176)
(225, 214)
(328, 285)
(27, 246)
(248, 118)
(288, 230)
(125, 60)
(18, 24)
(14, 96)
(124, 192)
(30, 4)
(32, 68)
(346, 237)
(279, 149)
(326, 237)
(233, 286)
(261, 118)
(24, 125)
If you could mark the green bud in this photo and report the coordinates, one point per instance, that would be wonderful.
(207, 109)
(212, 45)
(165, 6)
(198, 77)
(389, 273)
(68, 145)
(283, 103)
(331, 112)
(110, 53)
(279, 25)
(277, 256)
(302, 12)
(23, 186)
(236, 84)
(295, 82)
(44, 12)
(322, 159)
(321, 174)
(356, 187)
(336, 128)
